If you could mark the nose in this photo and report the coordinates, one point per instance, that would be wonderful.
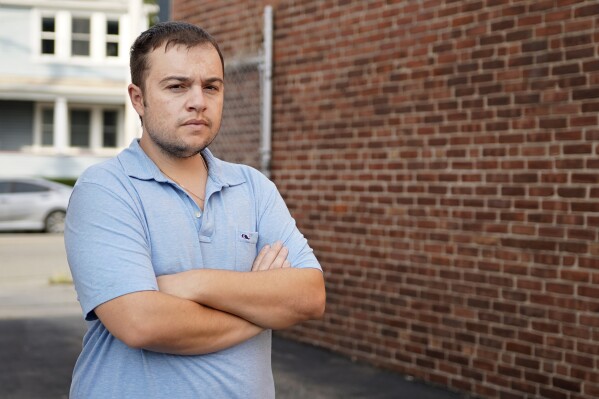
(196, 100)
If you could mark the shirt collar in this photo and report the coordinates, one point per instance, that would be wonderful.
(138, 165)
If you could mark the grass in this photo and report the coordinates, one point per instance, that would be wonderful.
(58, 279)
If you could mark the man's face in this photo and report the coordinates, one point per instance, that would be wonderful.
(182, 99)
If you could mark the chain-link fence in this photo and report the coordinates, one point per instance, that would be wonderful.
(239, 137)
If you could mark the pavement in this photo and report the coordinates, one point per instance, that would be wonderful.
(303, 371)
(41, 330)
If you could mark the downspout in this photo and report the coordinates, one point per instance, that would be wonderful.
(266, 120)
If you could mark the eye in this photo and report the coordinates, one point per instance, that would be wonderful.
(176, 87)
(211, 88)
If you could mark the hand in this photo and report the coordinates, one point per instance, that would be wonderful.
(175, 284)
(271, 257)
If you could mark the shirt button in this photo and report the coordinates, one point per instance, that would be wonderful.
(198, 214)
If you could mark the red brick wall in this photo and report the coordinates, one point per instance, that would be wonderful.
(442, 158)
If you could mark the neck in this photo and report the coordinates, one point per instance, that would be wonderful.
(178, 168)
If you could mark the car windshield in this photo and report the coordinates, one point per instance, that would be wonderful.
(25, 187)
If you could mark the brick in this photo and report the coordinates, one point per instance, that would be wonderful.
(540, 5)
(565, 69)
(578, 149)
(529, 244)
(590, 120)
(553, 123)
(588, 291)
(586, 11)
(528, 98)
(521, 61)
(577, 40)
(578, 53)
(503, 25)
(539, 45)
(572, 192)
(519, 35)
(568, 385)
(590, 66)
(590, 107)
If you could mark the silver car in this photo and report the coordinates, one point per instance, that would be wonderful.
(33, 204)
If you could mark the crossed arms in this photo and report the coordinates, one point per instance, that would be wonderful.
(194, 312)
(207, 310)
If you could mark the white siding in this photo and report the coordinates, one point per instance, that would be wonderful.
(30, 80)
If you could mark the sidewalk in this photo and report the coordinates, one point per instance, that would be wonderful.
(306, 372)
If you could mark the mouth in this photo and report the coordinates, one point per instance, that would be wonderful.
(196, 122)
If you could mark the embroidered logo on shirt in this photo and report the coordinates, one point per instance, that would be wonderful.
(249, 237)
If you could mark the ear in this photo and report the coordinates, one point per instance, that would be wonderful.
(137, 98)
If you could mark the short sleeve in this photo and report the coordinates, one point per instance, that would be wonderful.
(276, 223)
(107, 246)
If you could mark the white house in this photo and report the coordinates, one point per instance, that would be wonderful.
(63, 83)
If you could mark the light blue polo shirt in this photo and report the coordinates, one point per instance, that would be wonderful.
(126, 224)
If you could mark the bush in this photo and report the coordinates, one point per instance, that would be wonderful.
(63, 180)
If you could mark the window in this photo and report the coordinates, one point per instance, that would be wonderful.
(85, 127)
(24, 187)
(80, 127)
(112, 38)
(4, 187)
(80, 36)
(48, 35)
(47, 126)
(109, 128)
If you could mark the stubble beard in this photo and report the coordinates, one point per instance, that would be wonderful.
(173, 146)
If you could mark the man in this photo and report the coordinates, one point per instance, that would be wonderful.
(163, 244)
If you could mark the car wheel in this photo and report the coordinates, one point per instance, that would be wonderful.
(55, 222)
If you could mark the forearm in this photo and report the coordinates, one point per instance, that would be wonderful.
(164, 323)
(274, 299)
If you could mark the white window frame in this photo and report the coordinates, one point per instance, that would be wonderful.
(79, 36)
(63, 37)
(96, 128)
(118, 124)
(42, 109)
(111, 38)
(62, 26)
(91, 127)
(37, 123)
(47, 35)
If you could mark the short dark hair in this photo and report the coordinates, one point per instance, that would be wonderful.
(172, 33)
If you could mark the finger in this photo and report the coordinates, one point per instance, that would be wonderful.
(286, 264)
(260, 257)
(270, 256)
(280, 259)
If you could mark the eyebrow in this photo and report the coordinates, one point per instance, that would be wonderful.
(187, 79)
(214, 80)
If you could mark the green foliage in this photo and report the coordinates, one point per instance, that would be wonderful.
(64, 180)
(153, 16)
